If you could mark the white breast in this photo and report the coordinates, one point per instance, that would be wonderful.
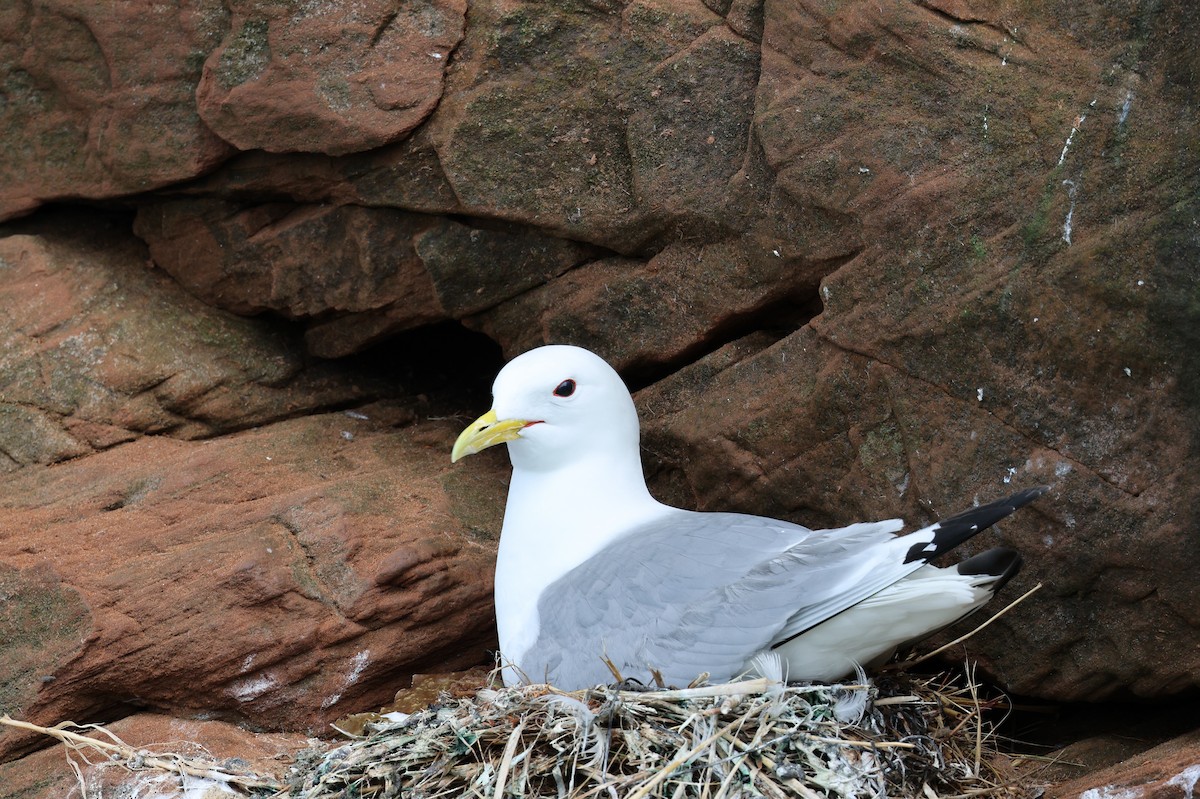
(550, 527)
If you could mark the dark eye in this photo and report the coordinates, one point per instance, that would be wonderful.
(565, 389)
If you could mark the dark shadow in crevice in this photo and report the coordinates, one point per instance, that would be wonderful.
(447, 366)
(774, 321)
(72, 220)
(1062, 741)
(1035, 726)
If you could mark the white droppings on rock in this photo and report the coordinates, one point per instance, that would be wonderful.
(1067, 223)
(357, 666)
(252, 688)
(1187, 780)
(1111, 792)
(1123, 114)
(360, 665)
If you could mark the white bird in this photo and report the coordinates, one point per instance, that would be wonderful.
(592, 568)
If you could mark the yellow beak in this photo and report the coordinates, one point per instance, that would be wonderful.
(486, 431)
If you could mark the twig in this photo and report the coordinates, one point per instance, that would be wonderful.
(510, 749)
(897, 700)
(171, 762)
(756, 686)
(974, 689)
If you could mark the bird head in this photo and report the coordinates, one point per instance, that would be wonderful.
(554, 405)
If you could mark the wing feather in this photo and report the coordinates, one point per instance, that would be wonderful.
(703, 592)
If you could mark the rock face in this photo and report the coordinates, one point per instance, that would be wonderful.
(327, 78)
(391, 270)
(98, 350)
(99, 101)
(860, 260)
(153, 553)
(281, 576)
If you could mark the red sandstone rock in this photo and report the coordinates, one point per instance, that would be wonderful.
(98, 99)
(691, 293)
(281, 576)
(329, 78)
(382, 270)
(1168, 771)
(252, 259)
(98, 349)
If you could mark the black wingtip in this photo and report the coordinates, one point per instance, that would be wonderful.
(952, 531)
(1001, 562)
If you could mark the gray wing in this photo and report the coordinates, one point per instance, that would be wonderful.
(703, 592)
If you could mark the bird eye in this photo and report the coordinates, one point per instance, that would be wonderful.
(565, 389)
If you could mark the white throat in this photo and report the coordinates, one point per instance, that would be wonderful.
(554, 521)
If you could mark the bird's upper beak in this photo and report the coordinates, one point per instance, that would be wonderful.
(486, 431)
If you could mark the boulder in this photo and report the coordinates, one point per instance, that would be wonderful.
(99, 100)
(279, 577)
(327, 78)
(380, 271)
(1168, 771)
(99, 349)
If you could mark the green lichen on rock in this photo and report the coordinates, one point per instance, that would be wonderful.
(41, 623)
(477, 503)
(28, 435)
(246, 56)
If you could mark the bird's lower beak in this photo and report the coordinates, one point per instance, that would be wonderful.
(486, 431)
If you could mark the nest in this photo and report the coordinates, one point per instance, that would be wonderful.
(896, 737)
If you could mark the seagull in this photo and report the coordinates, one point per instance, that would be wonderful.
(594, 574)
